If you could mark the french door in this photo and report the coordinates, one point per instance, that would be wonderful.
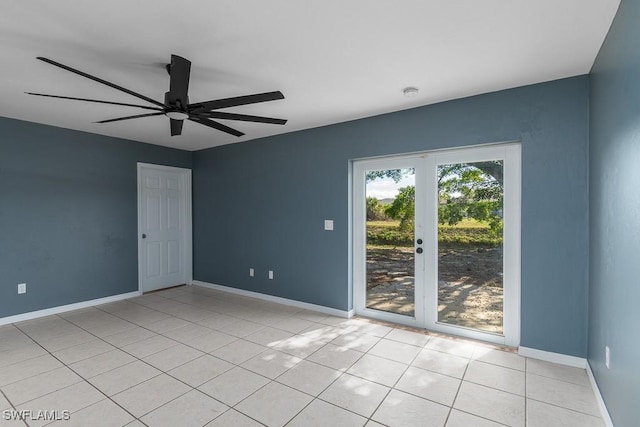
(437, 241)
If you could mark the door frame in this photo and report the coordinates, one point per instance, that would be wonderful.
(359, 238)
(187, 256)
(511, 153)
(511, 263)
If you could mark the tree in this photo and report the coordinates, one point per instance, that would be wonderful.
(471, 190)
(403, 207)
(465, 190)
(375, 210)
(491, 168)
(395, 174)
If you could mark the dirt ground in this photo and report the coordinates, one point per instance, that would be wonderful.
(469, 279)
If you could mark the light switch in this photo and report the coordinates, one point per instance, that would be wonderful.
(328, 224)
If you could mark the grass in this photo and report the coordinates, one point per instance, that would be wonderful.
(465, 223)
(466, 232)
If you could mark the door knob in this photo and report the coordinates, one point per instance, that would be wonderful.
(144, 236)
(419, 250)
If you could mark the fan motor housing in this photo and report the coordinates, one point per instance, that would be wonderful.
(178, 104)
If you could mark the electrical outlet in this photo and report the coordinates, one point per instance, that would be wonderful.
(328, 224)
(270, 274)
(607, 356)
(22, 288)
(251, 272)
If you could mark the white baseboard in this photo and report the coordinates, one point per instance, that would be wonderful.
(279, 300)
(576, 362)
(608, 422)
(64, 308)
(548, 356)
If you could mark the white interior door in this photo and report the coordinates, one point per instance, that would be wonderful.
(164, 226)
(465, 278)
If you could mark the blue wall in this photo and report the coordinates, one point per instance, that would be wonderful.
(614, 316)
(68, 214)
(262, 203)
(68, 205)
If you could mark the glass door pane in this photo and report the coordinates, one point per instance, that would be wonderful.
(470, 243)
(390, 224)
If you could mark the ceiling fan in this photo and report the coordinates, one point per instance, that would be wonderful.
(176, 104)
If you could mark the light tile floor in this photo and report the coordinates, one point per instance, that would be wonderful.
(194, 356)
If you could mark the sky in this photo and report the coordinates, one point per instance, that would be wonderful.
(386, 188)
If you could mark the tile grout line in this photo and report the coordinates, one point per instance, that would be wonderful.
(195, 323)
(238, 366)
(140, 359)
(110, 370)
(527, 398)
(481, 417)
(83, 378)
(565, 408)
(428, 370)
(493, 388)
(209, 353)
(291, 315)
(12, 406)
(559, 379)
(271, 325)
(342, 373)
(385, 337)
(160, 370)
(370, 417)
(458, 390)
(285, 385)
(380, 338)
(314, 398)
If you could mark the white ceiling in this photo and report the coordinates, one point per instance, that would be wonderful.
(334, 60)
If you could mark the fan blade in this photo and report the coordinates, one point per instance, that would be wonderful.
(241, 117)
(139, 116)
(215, 125)
(99, 80)
(238, 100)
(179, 71)
(176, 127)
(95, 100)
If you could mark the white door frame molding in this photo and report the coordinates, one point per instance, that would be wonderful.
(187, 255)
(360, 234)
(426, 291)
(511, 154)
